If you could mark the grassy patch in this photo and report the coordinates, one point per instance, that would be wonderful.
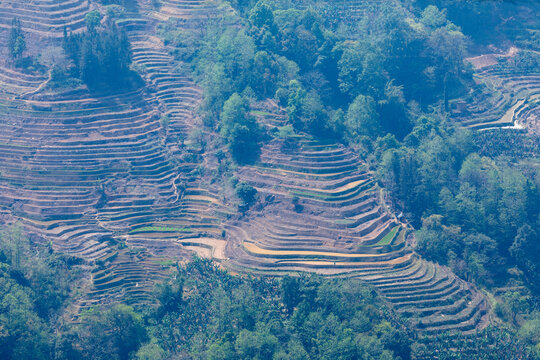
(164, 262)
(286, 131)
(261, 113)
(344, 221)
(14, 145)
(401, 237)
(309, 194)
(387, 239)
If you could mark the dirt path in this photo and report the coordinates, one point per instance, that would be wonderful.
(176, 192)
(41, 86)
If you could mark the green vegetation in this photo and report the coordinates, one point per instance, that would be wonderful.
(204, 312)
(381, 79)
(353, 84)
(123, 328)
(246, 193)
(100, 56)
(310, 194)
(35, 284)
(453, 194)
(207, 313)
(16, 42)
(240, 129)
(387, 239)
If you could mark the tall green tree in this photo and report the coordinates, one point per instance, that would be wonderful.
(526, 252)
(240, 129)
(16, 41)
(362, 118)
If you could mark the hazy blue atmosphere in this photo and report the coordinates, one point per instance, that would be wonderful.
(269, 180)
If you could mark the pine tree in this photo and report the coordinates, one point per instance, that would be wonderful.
(89, 64)
(16, 42)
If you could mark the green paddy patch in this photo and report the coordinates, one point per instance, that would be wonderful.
(261, 113)
(344, 221)
(309, 194)
(387, 239)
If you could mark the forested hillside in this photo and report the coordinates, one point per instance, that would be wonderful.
(269, 179)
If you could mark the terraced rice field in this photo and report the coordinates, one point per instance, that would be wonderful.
(513, 103)
(100, 177)
(196, 225)
(92, 173)
(14, 83)
(323, 213)
(174, 90)
(87, 173)
(46, 18)
(80, 170)
(191, 13)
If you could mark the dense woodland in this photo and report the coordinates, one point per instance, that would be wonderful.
(382, 85)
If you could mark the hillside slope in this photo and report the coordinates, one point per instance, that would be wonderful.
(102, 178)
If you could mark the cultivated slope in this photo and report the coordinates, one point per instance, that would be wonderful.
(46, 18)
(510, 99)
(106, 178)
(322, 212)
